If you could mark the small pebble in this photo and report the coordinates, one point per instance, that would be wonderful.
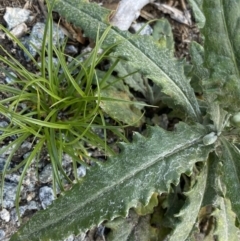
(2, 35)
(33, 206)
(71, 49)
(81, 171)
(46, 196)
(11, 78)
(9, 194)
(2, 234)
(14, 215)
(15, 16)
(46, 174)
(66, 160)
(27, 145)
(34, 42)
(5, 215)
(20, 30)
(30, 196)
(13, 178)
(3, 124)
(2, 163)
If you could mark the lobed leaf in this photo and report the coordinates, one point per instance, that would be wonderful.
(198, 14)
(217, 114)
(133, 227)
(189, 213)
(231, 169)
(147, 165)
(222, 50)
(225, 228)
(142, 52)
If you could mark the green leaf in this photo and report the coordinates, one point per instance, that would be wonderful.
(225, 228)
(121, 110)
(225, 217)
(189, 213)
(132, 228)
(198, 72)
(162, 33)
(154, 62)
(144, 210)
(217, 114)
(134, 80)
(149, 164)
(231, 169)
(198, 14)
(222, 50)
(213, 179)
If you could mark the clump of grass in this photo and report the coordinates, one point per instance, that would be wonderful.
(56, 108)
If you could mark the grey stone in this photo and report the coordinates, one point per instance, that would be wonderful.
(2, 234)
(20, 30)
(15, 16)
(3, 124)
(14, 216)
(46, 174)
(7, 151)
(30, 179)
(5, 215)
(67, 163)
(71, 49)
(34, 42)
(81, 171)
(26, 145)
(2, 163)
(46, 196)
(66, 160)
(33, 205)
(13, 177)
(9, 194)
(11, 78)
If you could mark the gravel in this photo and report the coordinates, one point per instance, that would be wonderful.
(46, 196)
(16, 16)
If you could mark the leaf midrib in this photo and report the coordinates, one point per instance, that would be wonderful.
(125, 178)
(228, 38)
(158, 67)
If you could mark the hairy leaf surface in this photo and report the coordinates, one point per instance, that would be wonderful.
(222, 50)
(189, 213)
(225, 217)
(144, 54)
(225, 228)
(199, 16)
(149, 164)
(132, 228)
(231, 170)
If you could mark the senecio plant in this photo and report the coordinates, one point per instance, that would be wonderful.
(172, 185)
